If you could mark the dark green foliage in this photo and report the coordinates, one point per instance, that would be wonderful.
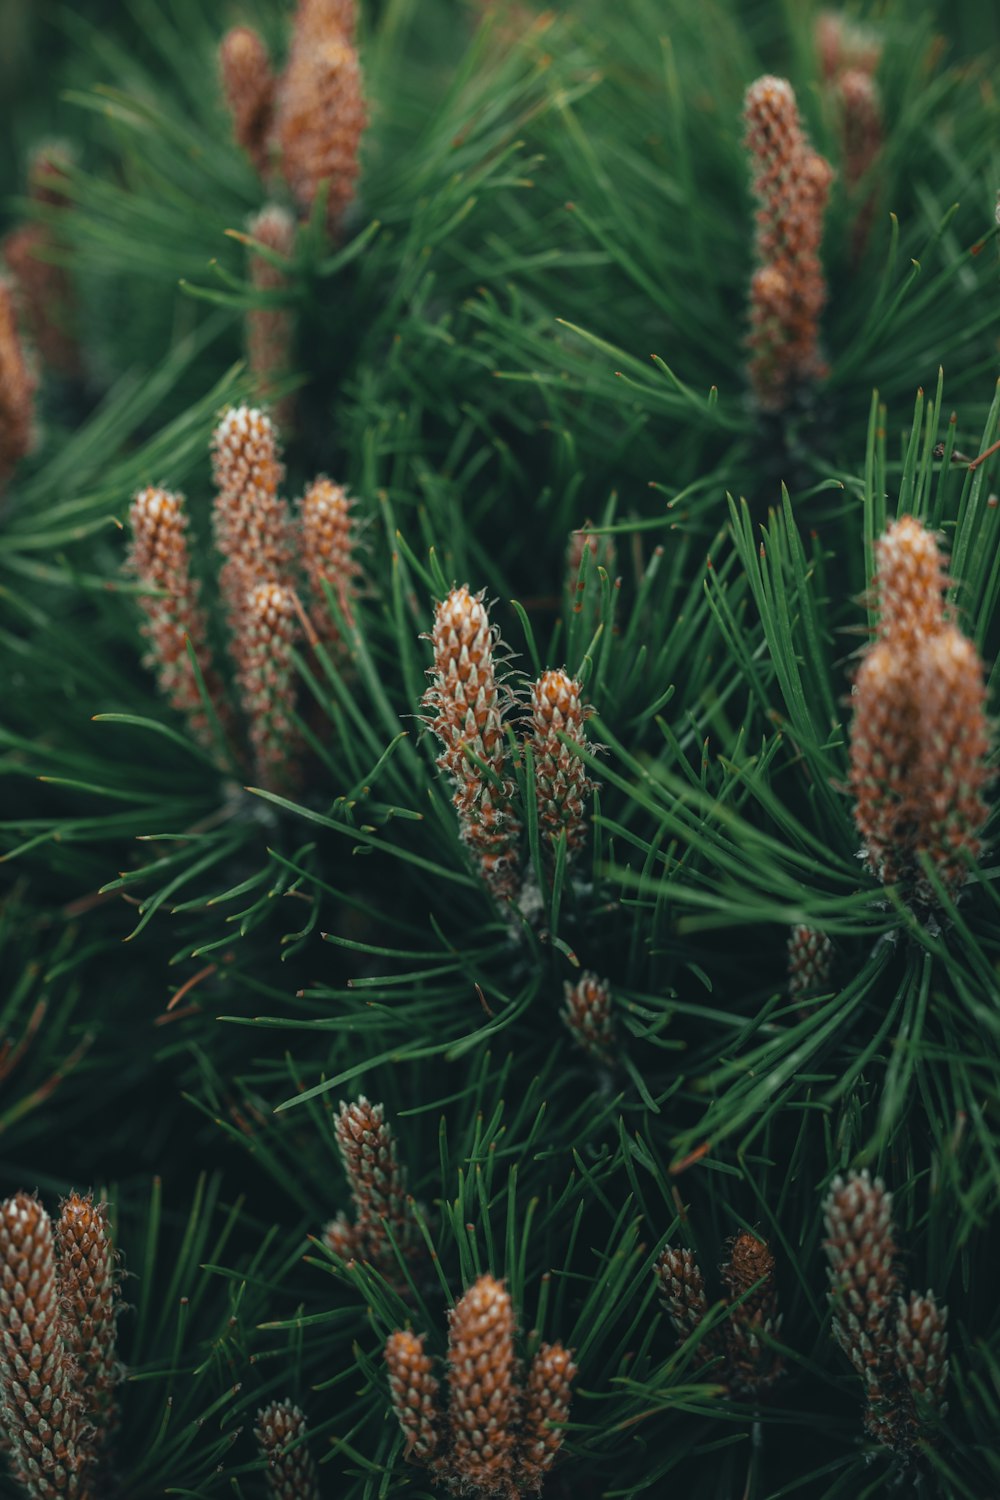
(536, 319)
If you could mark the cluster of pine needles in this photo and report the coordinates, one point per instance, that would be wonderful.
(499, 582)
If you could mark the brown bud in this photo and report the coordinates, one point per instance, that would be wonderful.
(281, 1430)
(414, 1393)
(484, 1402)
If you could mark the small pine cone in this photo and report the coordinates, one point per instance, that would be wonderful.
(954, 745)
(753, 1366)
(327, 546)
(919, 742)
(587, 1013)
(861, 123)
(160, 558)
(377, 1182)
(602, 551)
(682, 1292)
(885, 739)
(466, 711)
(414, 1393)
(841, 46)
(17, 390)
(751, 1265)
(919, 737)
(48, 173)
(484, 1405)
(39, 1404)
(44, 290)
(547, 1396)
(922, 1351)
(249, 85)
(910, 580)
(88, 1273)
(864, 1293)
(787, 293)
(810, 962)
(321, 114)
(320, 18)
(44, 296)
(291, 1471)
(341, 1236)
(774, 134)
(561, 781)
(862, 136)
(270, 329)
(267, 682)
(252, 522)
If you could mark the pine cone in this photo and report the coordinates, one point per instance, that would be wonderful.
(484, 1407)
(40, 1406)
(547, 1396)
(88, 1273)
(414, 1394)
(561, 781)
(465, 710)
(377, 1182)
(749, 1275)
(587, 1013)
(291, 1471)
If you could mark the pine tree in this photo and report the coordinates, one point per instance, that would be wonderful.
(499, 607)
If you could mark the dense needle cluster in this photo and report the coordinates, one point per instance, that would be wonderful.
(478, 346)
(791, 183)
(897, 1346)
(500, 1434)
(919, 737)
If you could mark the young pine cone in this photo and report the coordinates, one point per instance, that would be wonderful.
(40, 1405)
(280, 1430)
(465, 706)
